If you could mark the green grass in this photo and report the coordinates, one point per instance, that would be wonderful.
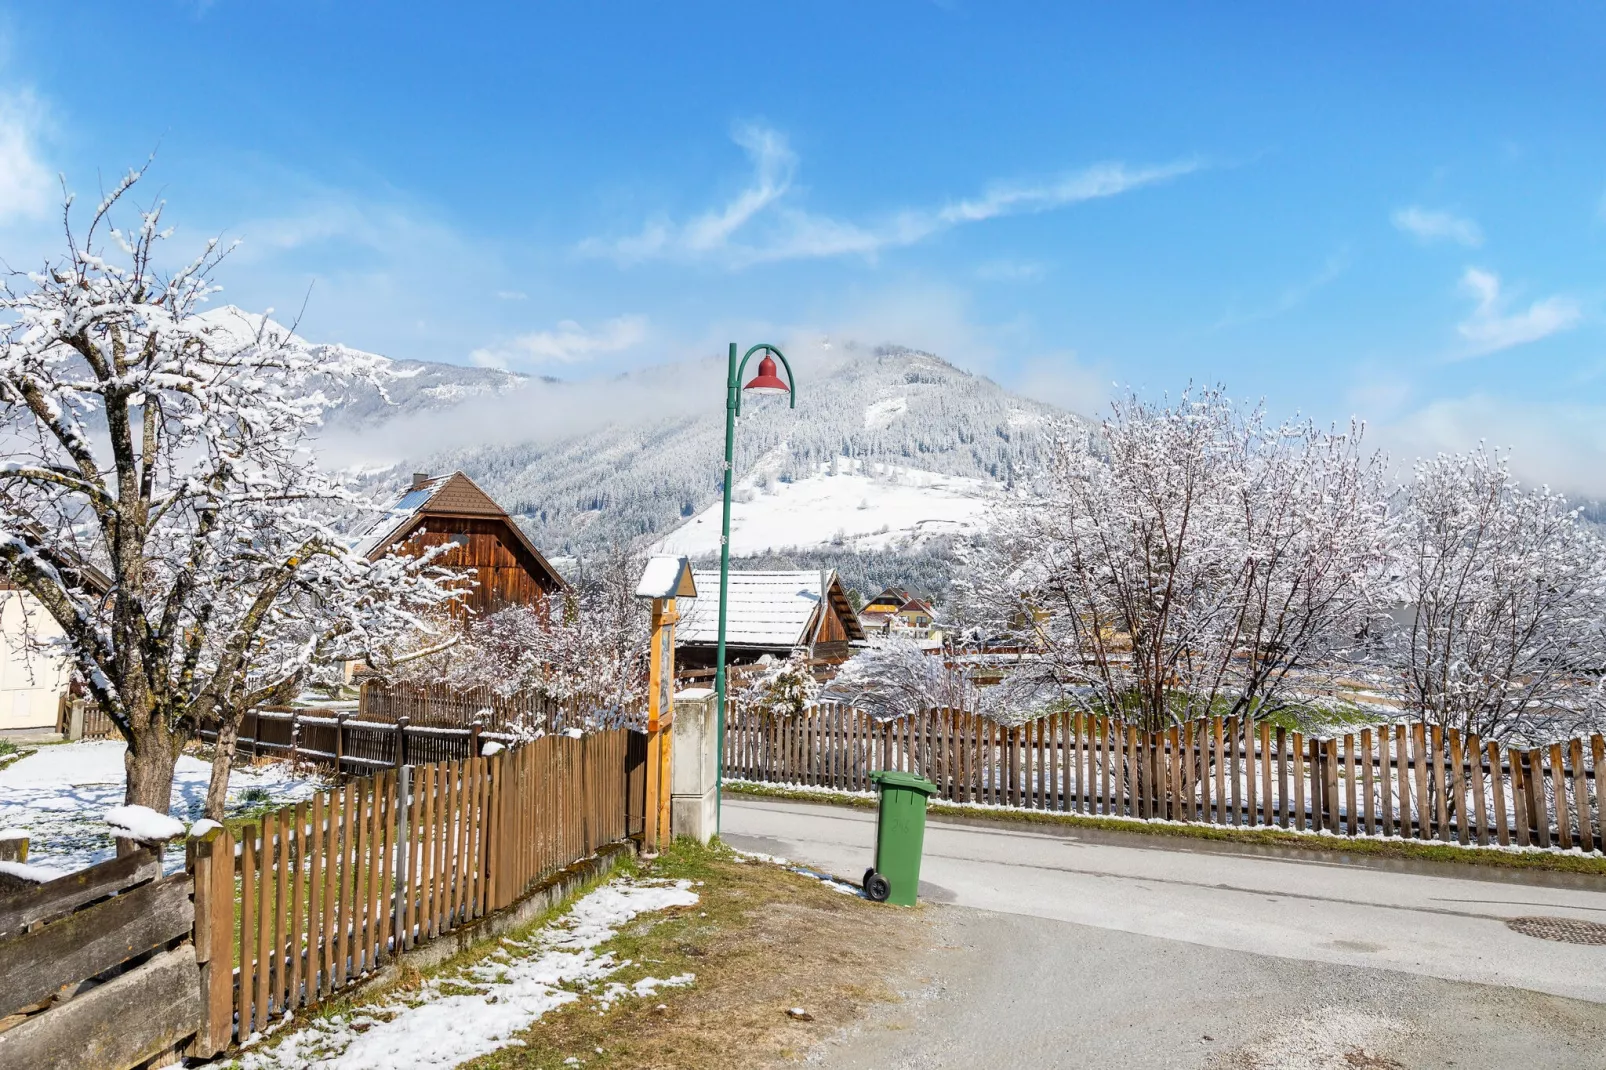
(1414, 850)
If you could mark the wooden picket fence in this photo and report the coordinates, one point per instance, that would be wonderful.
(1411, 781)
(346, 744)
(445, 706)
(331, 888)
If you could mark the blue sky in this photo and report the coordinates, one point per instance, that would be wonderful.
(1396, 211)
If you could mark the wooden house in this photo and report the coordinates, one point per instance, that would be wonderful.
(767, 613)
(485, 542)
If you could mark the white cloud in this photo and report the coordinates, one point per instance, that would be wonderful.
(1427, 225)
(1064, 380)
(1488, 329)
(512, 295)
(1563, 445)
(569, 343)
(758, 225)
(27, 187)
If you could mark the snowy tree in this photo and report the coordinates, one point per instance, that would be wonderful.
(783, 688)
(1500, 604)
(168, 452)
(588, 642)
(1187, 559)
(898, 677)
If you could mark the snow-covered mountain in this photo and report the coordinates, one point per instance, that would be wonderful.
(890, 451)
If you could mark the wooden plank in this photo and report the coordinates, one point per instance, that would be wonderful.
(1440, 787)
(315, 899)
(262, 997)
(1216, 732)
(1458, 787)
(122, 1023)
(1283, 803)
(1402, 769)
(248, 899)
(1251, 779)
(1188, 781)
(1497, 794)
(1296, 744)
(1118, 760)
(298, 904)
(1352, 823)
(218, 979)
(372, 926)
(1368, 785)
(1521, 821)
(345, 915)
(1534, 777)
(53, 899)
(331, 892)
(1173, 780)
(1597, 750)
(280, 985)
(1419, 769)
(1575, 756)
(1558, 793)
(1473, 747)
(33, 965)
(1235, 789)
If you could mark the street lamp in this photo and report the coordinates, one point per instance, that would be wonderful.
(765, 382)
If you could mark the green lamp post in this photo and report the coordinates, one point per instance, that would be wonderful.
(765, 382)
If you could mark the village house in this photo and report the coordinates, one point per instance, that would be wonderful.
(485, 542)
(770, 613)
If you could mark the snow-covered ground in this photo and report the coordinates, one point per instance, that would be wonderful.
(856, 508)
(60, 794)
(471, 1012)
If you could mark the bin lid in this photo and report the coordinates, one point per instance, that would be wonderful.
(892, 778)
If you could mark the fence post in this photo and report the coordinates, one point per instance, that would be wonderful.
(401, 740)
(14, 846)
(75, 719)
(340, 742)
(693, 772)
(295, 736)
(474, 731)
(211, 866)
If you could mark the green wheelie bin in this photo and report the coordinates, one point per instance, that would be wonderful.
(900, 833)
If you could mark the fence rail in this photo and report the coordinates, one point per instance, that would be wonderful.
(333, 887)
(1400, 780)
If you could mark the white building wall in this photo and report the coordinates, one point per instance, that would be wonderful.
(32, 682)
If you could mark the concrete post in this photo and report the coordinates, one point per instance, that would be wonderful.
(693, 767)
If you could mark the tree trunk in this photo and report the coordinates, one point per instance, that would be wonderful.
(152, 753)
(217, 791)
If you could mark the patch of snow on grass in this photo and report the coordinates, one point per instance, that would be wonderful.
(441, 1025)
(60, 792)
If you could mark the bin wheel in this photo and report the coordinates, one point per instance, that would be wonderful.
(876, 888)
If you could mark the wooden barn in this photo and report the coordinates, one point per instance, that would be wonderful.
(767, 613)
(485, 541)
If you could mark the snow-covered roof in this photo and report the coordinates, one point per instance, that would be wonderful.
(399, 513)
(765, 609)
(666, 577)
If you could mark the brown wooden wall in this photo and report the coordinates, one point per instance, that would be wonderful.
(505, 574)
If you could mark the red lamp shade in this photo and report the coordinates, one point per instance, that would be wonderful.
(766, 381)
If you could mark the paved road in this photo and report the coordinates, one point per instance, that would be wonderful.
(1092, 949)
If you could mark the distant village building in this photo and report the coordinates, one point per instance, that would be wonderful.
(897, 612)
(767, 613)
(486, 543)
